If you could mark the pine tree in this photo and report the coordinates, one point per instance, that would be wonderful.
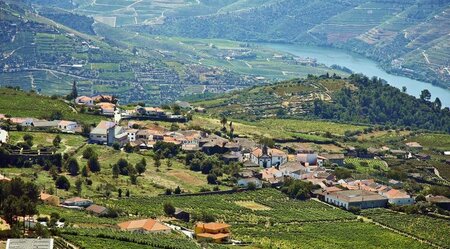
(74, 93)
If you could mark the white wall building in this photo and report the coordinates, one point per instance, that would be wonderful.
(4, 136)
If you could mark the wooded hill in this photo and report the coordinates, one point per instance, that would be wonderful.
(356, 99)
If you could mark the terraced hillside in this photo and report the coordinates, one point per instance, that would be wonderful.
(406, 37)
(40, 53)
(356, 99)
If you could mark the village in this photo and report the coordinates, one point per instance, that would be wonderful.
(261, 164)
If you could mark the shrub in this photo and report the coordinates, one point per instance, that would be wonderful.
(169, 209)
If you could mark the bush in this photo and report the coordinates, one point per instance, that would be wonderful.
(88, 153)
(212, 179)
(62, 183)
(169, 209)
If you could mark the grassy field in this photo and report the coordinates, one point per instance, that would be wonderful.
(69, 142)
(282, 129)
(23, 104)
(367, 165)
(432, 141)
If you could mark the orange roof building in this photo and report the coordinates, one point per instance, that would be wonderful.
(144, 226)
(217, 232)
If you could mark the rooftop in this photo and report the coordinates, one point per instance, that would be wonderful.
(147, 224)
(357, 196)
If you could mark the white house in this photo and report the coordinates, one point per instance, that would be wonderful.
(398, 197)
(99, 134)
(4, 136)
(67, 126)
(84, 100)
(132, 134)
(267, 157)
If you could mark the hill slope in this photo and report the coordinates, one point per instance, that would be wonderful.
(40, 53)
(406, 37)
(356, 99)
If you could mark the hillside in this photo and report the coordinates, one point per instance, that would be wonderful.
(40, 53)
(356, 99)
(22, 104)
(406, 37)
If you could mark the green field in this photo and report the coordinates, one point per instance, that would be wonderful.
(69, 142)
(23, 104)
(367, 165)
(283, 223)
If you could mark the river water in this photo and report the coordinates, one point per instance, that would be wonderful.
(361, 64)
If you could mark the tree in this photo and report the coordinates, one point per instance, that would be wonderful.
(88, 153)
(157, 163)
(57, 141)
(177, 190)
(28, 139)
(168, 191)
(119, 193)
(115, 171)
(128, 148)
(72, 166)
(78, 186)
(224, 122)
(437, 104)
(56, 115)
(74, 93)
(94, 164)
(141, 166)
(212, 179)
(169, 164)
(116, 146)
(123, 166)
(425, 95)
(62, 183)
(127, 194)
(404, 89)
(85, 171)
(169, 209)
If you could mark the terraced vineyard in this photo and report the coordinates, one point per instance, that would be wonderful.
(283, 223)
(431, 229)
(224, 207)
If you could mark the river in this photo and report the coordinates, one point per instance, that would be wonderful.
(361, 64)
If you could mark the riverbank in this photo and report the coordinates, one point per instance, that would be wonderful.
(360, 64)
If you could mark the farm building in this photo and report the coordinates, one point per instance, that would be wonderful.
(77, 202)
(217, 232)
(356, 198)
(398, 197)
(144, 226)
(29, 244)
(97, 210)
(182, 215)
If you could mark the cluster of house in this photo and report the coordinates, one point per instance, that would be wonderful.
(65, 126)
(105, 103)
(109, 133)
(413, 150)
(107, 106)
(274, 166)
